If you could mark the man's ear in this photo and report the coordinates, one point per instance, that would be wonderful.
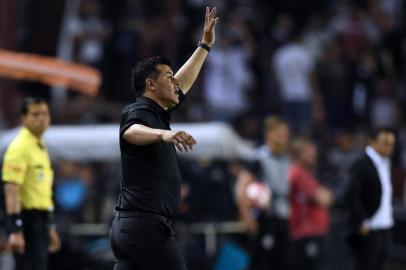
(150, 84)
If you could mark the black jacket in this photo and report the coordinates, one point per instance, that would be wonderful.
(364, 192)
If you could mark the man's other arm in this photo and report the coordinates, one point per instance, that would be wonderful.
(138, 134)
(16, 240)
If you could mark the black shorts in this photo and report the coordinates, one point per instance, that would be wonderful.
(145, 241)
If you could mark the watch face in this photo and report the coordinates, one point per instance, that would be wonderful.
(19, 222)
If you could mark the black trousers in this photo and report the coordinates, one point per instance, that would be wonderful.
(371, 251)
(306, 253)
(271, 244)
(145, 241)
(36, 236)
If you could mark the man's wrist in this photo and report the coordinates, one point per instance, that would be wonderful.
(51, 220)
(204, 45)
(161, 135)
(14, 223)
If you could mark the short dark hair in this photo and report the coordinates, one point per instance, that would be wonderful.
(146, 69)
(29, 101)
(373, 133)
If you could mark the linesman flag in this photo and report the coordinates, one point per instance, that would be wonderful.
(51, 71)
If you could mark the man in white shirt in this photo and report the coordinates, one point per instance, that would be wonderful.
(294, 72)
(370, 197)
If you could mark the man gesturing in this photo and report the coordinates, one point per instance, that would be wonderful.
(142, 236)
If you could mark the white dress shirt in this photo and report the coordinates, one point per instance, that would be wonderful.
(383, 217)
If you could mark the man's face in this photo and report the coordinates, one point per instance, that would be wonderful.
(167, 87)
(37, 119)
(308, 155)
(384, 144)
(278, 138)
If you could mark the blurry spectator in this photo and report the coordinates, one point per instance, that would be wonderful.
(152, 41)
(72, 193)
(90, 33)
(335, 88)
(248, 126)
(282, 29)
(370, 197)
(384, 106)
(365, 74)
(316, 37)
(272, 240)
(279, 33)
(340, 158)
(354, 30)
(309, 219)
(195, 186)
(293, 68)
(392, 10)
(219, 180)
(228, 77)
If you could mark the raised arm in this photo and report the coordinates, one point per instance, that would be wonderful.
(188, 73)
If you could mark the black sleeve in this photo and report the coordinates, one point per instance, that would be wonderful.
(255, 167)
(139, 116)
(355, 206)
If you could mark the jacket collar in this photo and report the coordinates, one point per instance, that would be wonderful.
(374, 156)
(151, 103)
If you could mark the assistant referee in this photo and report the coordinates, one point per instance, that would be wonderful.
(142, 235)
(28, 178)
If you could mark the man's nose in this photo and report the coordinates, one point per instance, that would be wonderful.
(41, 116)
(175, 82)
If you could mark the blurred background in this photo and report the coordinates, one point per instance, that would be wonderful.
(332, 68)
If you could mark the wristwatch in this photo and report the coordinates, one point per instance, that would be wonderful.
(204, 46)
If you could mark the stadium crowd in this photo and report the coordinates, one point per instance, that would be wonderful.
(332, 69)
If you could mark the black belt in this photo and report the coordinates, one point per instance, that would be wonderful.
(35, 212)
(138, 213)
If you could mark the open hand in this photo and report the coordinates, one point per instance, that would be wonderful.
(210, 21)
(182, 140)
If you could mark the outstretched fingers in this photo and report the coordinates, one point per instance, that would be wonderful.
(184, 141)
(189, 140)
(212, 18)
(213, 13)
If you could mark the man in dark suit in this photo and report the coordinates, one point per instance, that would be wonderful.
(370, 198)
